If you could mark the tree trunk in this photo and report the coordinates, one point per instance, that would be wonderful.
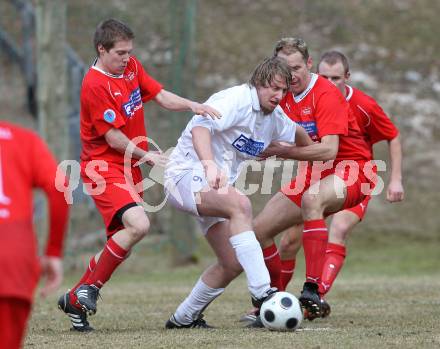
(52, 75)
(52, 109)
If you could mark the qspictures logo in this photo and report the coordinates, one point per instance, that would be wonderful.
(348, 170)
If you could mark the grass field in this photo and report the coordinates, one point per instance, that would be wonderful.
(386, 297)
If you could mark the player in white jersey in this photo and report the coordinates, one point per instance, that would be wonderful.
(204, 166)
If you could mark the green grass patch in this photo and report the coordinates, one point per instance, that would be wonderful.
(385, 297)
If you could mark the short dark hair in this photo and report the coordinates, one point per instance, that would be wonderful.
(265, 72)
(109, 31)
(333, 57)
(292, 45)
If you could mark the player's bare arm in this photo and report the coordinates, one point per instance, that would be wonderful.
(120, 142)
(323, 151)
(201, 138)
(171, 101)
(302, 138)
(395, 191)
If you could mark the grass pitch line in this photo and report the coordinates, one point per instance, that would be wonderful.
(324, 329)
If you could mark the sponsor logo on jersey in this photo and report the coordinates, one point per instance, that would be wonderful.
(248, 145)
(134, 103)
(311, 128)
(306, 111)
(129, 76)
(110, 115)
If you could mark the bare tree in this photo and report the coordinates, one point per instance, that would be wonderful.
(52, 74)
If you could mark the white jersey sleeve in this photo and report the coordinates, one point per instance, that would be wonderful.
(285, 129)
(226, 103)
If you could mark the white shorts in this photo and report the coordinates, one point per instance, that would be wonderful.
(181, 192)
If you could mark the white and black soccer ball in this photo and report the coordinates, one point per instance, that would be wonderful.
(281, 312)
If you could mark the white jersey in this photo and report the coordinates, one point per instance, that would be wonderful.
(242, 133)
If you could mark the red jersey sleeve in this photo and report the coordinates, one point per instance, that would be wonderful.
(332, 114)
(103, 109)
(148, 86)
(380, 127)
(44, 168)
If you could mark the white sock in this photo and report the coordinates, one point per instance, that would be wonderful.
(199, 298)
(250, 256)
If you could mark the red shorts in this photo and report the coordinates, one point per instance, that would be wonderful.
(352, 173)
(112, 190)
(14, 313)
(361, 209)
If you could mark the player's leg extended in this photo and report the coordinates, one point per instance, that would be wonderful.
(136, 226)
(90, 267)
(290, 244)
(342, 224)
(327, 195)
(230, 203)
(277, 215)
(227, 267)
(213, 280)
(68, 301)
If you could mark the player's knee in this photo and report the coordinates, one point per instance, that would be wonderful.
(231, 269)
(310, 200)
(290, 245)
(339, 231)
(139, 229)
(311, 203)
(242, 206)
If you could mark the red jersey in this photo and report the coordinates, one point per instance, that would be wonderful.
(374, 124)
(25, 163)
(322, 110)
(110, 101)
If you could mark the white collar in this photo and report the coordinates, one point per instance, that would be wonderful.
(350, 93)
(104, 72)
(254, 97)
(300, 97)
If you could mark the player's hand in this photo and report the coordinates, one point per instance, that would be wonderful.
(215, 177)
(395, 192)
(279, 149)
(205, 110)
(154, 158)
(52, 274)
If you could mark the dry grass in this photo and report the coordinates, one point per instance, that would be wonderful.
(379, 304)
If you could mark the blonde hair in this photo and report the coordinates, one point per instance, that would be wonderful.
(291, 45)
(265, 72)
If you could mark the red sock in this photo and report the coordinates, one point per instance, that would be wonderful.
(315, 238)
(110, 258)
(287, 269)
(334, 260)
(90, 268)
(273, 264)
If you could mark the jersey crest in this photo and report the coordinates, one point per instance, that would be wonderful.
(248, 145)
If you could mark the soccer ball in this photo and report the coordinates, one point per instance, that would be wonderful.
(281, 312)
